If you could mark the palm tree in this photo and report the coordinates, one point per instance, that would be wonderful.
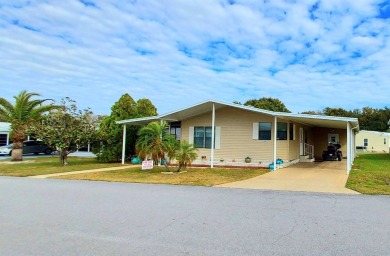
(21, 115)
(186, 154)
(154, 141)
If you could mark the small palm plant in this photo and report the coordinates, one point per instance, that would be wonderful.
(185, 154)
(154, 142)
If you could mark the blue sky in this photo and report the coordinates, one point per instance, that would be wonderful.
(309, 54)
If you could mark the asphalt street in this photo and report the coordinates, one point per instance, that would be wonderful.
(61, 217)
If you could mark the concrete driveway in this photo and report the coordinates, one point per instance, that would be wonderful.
(328, 177)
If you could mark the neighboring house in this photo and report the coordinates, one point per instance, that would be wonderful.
(372, 141)
(229, 132)
(5, 129)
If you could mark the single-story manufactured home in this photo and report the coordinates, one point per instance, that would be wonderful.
(230, 134)
(372, 141)
(5, 129)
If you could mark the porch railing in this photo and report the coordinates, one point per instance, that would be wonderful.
(308, 150)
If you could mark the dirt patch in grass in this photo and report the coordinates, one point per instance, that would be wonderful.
(193, 176)
(48, 165)
(370, 174)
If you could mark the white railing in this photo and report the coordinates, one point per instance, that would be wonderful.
(308, 150)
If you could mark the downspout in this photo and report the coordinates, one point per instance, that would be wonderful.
(354, 143)
(161, 136)
(124, 144)
(275, 137)
(349, 157)
(212, 137)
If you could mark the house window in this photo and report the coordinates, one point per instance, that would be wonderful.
(202, 137)
(3, 139)
(292, 131)
(176, 131)
(281, 131)
(365, 142)
(265, 131)
(384, 141)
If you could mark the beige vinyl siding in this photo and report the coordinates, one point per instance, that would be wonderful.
(236, 140)
(294, 144)
(375, 141)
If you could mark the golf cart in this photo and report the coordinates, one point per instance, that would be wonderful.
(333, 152)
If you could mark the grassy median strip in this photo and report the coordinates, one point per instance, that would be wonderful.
(193, 176)
(371, 174)
(49, 165)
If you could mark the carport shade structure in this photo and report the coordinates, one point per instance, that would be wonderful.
(351, 125)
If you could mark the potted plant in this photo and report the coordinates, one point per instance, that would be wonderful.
(248, 159)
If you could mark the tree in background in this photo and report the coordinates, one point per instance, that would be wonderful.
(374, 119)
(109, 149)
(312, 112)
(370, 119)
(145, 108)
(22, 115)
(66, 129)
(337, 112)
(267, 104)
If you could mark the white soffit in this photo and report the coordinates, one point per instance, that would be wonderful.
(206, 107)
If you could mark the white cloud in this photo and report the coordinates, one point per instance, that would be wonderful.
(309, 55)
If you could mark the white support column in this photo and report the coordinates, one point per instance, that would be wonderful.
(275, 137)
(124, 144)
(349, 151)
(161, 136)
(212, 137)
(353, 145)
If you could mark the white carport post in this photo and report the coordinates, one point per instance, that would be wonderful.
(124, 144)
(212, 137)
(161, 136)
(349, 151)
(275, 137)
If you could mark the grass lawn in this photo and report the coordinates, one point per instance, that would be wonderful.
(370, 174)
(193, 176)
(48, 165)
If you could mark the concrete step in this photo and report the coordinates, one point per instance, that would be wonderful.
(306, 160)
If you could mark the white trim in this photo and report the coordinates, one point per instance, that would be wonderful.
(349, 156)
(248, 108)
(275, 137)
(212, 136)
(124, 144)
(255, 131)
(191, 135)
(218, 137)
(149, 118)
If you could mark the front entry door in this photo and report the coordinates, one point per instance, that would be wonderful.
(333, 138)
(301, 141)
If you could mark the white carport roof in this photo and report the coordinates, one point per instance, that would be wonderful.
(204, 107)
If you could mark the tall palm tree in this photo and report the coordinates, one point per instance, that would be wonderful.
(185, 154)
(21, 115)
(154, 141)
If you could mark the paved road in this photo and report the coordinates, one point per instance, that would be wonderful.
(66, 217)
